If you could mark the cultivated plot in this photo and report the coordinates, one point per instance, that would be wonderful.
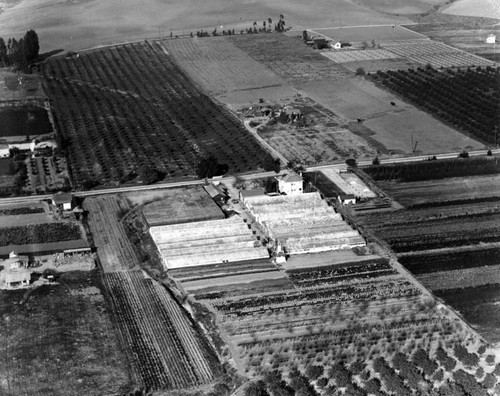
(218, 66)
(377, 33)
(436, 54)
(288, 57)
(428, 192)
(123, 107)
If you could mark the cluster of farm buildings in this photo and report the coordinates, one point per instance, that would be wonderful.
(276, 225)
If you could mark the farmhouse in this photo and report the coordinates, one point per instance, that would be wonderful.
(17, 274)
(63, 200)
(347, 199)
(248, 195)
(290, 184)
(491, 39)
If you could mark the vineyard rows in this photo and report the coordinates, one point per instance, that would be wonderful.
(167, 352)
(130, 105)
(113, 246)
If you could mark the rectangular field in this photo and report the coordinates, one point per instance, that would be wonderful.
(126, 106)
(428, 192)
(24, 121)
(218, 66)
(288, 57)
(339, 56)
(182, 205)
(61, 340)
(377, 33)
(166, 349)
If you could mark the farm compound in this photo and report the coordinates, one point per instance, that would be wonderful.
(303, 224)
(207, 242)
(349, 183)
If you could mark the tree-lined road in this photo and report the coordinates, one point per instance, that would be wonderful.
(230, 179)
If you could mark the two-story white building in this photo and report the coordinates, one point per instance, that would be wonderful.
(290, 184)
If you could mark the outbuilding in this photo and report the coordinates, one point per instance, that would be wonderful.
(247, 195)
(347, 199)
(63, 200)
(216, 193)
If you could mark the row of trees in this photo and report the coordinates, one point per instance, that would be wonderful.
(19, 53)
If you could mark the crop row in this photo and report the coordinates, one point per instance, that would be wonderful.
(130, 105)
(164, 347)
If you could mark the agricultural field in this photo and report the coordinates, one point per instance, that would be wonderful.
(168, 352)
(7, 179)
(465, 99)
(20, 87)
(60, 339)
(40, 233)
(288, 57)
(182, 205)
(448, 235)
(280, 326)
(380, 34)
(473, 272)
(19, 122)
(103, 98)
(218, 66)
(443, 192)
(436, 54)
(370, 60)
(320, 138)
(108, 233)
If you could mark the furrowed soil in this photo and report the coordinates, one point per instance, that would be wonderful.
(59, 339)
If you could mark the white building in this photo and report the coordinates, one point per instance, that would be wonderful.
(491, 39)
(290, 184)
(63, 200)
(17, 274)
(4, 150)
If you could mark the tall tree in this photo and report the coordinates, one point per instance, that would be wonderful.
(31, 45)
(3, 52)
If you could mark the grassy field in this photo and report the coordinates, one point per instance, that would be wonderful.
(218, 66)
(482, 8)
(60, 340)
(97, 23)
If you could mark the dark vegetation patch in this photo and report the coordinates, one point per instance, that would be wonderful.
(431, 170)
(446, 261)
(24, 121)
(39, 233)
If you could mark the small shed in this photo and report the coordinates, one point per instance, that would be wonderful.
(347, 199)
(491, 39)
(290, 184)
(63, 200)
(216, 193)
(247, 195)
(337, 45)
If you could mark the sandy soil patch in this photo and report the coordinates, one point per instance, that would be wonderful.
(325, 259)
